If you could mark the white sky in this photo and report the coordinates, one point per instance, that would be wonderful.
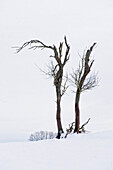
(27, 98)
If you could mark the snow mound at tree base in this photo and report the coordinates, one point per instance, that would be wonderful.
(92, 151)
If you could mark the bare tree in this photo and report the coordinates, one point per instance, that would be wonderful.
(82, 83)
(56, 71)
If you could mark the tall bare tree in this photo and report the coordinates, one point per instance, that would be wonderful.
(82, 83)
(56, 71)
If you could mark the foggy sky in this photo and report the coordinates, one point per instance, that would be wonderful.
(27, 97)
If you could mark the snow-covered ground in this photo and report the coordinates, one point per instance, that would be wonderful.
(93, 151)
(27, 98)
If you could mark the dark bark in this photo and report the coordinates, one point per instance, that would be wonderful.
(77, 111)
(58, 82)
(77, 119)
(58, 114)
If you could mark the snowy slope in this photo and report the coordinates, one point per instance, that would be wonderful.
(27, 99)
(83, 152)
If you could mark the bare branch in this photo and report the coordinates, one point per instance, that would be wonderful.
(87, 59)
(47, 73)
(72, 126)
(79, 76)
(74, 78)
(67, 56)
(82, 127)
(65, 86)
(90, 82)
(70, 129)
(60, 50)
(41, 45)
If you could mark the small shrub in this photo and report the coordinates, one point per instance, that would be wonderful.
(42, 135)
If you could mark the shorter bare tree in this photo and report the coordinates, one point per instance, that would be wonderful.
(56, 71)
(83, 82)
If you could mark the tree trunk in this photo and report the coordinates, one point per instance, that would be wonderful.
(77, 112)
(58, 114)
(77, 119)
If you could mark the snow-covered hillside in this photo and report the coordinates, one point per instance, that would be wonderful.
(82, 152)
(27, 98)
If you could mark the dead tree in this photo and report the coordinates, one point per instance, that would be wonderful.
(82, 83)
(56, 71)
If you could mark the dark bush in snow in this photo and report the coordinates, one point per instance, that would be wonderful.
(42, 135)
